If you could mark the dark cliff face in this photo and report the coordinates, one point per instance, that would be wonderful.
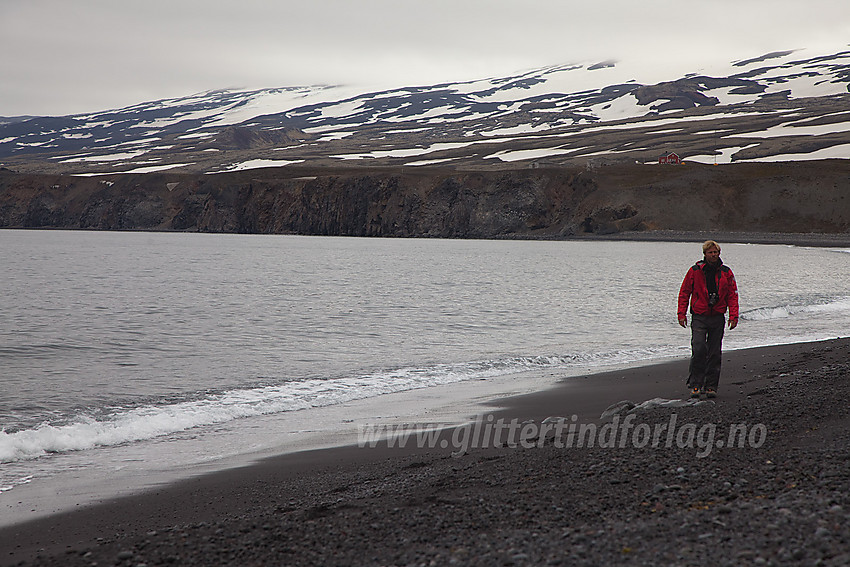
(386, 203)
(544, 203)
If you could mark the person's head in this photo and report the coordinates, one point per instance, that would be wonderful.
(711, 251)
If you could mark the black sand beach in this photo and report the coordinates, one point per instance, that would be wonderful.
(780, 495)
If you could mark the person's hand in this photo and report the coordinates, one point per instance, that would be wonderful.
(733, 323)
(683, 322)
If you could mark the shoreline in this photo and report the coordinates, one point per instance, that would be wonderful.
(139, 467)
(358, 506)
(805, 239)
(810, 239)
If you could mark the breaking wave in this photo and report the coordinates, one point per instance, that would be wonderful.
(782, 311)
(126, 425)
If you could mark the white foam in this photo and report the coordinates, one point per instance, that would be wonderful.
(151, 421)
(784, 311)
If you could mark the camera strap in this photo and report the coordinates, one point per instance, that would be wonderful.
(710, 273)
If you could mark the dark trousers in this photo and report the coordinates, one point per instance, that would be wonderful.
(706, 342)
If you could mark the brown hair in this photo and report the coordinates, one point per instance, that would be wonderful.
(709, 244)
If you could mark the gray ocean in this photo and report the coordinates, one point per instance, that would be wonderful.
(140, 343)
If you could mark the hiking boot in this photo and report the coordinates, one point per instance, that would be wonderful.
(695, 392)
(710, 393)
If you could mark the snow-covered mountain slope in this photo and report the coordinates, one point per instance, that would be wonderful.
(789, 105)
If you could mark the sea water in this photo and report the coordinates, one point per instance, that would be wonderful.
(142, 351)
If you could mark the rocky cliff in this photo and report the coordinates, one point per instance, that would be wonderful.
(809, 197)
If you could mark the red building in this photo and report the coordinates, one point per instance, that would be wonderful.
(670, 158)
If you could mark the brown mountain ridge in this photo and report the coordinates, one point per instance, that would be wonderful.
(633, 200)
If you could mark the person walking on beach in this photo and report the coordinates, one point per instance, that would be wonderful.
(710, 288)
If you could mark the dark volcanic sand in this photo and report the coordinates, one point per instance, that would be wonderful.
(785, 502)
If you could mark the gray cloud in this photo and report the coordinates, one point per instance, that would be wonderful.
(59, 57)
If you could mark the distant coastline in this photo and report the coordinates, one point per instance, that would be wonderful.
(830, 240)
(826, 240)
(804, 203)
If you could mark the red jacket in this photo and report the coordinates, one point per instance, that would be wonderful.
(695, 291)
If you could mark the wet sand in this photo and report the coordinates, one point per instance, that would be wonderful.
(780, 495)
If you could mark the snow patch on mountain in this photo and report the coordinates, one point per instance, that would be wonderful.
(601, 103)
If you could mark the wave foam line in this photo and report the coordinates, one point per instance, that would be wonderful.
(784, 311)
(150, 421)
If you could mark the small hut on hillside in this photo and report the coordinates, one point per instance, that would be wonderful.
(670, 158)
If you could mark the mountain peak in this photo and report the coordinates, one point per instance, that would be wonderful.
(783, 105)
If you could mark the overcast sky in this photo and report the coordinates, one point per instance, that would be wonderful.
(71, 56)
